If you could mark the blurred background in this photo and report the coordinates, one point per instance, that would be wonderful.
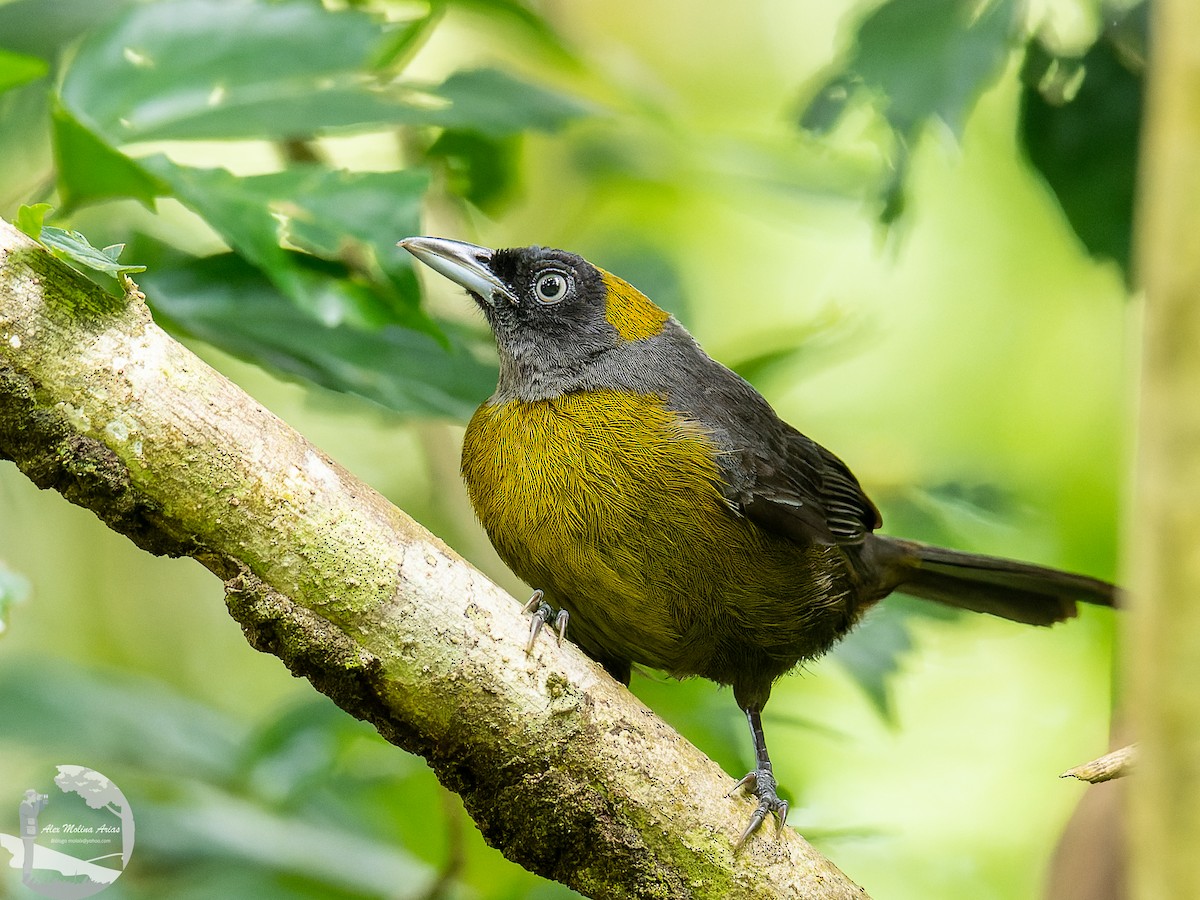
(907, 223)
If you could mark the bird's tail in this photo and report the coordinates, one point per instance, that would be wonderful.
(1019, 591)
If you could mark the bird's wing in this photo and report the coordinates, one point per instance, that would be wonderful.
(793, 486)
(775, 475)
(770, 472)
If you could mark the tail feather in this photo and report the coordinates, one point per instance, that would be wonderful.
(1022, 592)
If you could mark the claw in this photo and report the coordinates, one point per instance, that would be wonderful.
(543, 612)
(746, 779)
(755, 820)
(534, 599)
(540, 615)
(762, 786)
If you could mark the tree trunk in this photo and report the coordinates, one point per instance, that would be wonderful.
(1163, 658)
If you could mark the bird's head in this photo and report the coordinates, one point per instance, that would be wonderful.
(552, 312)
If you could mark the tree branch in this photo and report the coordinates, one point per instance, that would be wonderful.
(1117, 764)
(562, 768)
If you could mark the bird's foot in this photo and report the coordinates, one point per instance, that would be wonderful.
(543, 612)
(761, 783)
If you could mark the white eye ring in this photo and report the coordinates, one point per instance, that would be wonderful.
(551, 287)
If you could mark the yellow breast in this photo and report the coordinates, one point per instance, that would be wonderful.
(611, 504)
(603, 500)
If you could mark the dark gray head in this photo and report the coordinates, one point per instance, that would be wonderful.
(556, 317)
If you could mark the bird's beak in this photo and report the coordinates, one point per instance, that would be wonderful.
(463, 263)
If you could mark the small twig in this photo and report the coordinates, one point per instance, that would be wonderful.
(1113, 765)
(133, 293)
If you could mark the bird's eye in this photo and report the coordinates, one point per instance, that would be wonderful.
(551, 287)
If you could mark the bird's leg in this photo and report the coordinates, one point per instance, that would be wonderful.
(760, 782)
(543, 612)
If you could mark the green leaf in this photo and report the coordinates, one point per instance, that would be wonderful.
(874, 652)
(76, 249)
(212, 69)
(916, 60)
(14, 588)
(924, 58)
(357, 217)
(131, 719)
(17, 69)
(229, 304)
(529, 22)
(1081, 127)
(206, 798)
(90, 170)
(495, 103)
(226, 69)
(240, 69)
(479, 168)
(334, 857)
(42, 28)
(399, 46)
(30, 218)
(350, 218)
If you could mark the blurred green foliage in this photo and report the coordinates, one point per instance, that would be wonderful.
(1081, 116)
(261, 158)
(289, 72)
(920, 61)
(14, 589)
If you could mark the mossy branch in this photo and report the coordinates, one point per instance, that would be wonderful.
(562, 768)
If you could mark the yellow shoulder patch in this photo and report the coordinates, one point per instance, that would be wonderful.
(629, 310)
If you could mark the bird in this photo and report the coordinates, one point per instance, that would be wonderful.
(656, 502)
